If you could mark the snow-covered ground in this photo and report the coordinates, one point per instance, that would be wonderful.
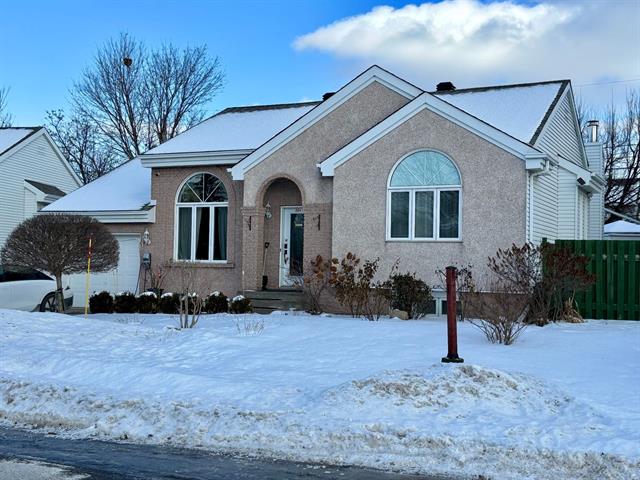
(563, 402)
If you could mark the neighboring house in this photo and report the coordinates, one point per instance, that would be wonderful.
(33, 174)
(380, 168)
(622, 230)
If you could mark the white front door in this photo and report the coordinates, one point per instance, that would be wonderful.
(291, 246)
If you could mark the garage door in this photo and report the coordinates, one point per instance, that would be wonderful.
(125, 277)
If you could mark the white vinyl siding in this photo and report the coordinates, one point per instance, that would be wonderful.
(35, 161)
(567, 204)
(560, 135)
(583, 216)
(545, 206)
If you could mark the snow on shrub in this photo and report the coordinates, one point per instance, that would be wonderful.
(101, 302)
(147, 302)
(125, 302)
(240, 304)
(169, 303)
(216, 302)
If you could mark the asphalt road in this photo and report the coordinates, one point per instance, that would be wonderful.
(34, 456)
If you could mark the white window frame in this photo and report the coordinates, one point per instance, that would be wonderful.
(436, 189)
(193, 206)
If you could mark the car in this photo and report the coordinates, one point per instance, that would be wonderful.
(23, 288)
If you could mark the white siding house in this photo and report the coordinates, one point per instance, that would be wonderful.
(33, 174)
(565, 198)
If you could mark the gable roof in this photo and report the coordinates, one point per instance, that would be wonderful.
(450, 112)
(229, 135)
(372, 74)
(519, 110)
(622, 227)
(46, 188)
(12, 136)
(125, 188)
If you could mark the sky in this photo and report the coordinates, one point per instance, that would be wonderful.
(288, 51)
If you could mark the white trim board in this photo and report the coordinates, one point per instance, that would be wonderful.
(372, 74)
(188, 159)
(115, 216)
(427, 101)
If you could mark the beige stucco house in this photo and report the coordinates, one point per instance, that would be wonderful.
(380, 168)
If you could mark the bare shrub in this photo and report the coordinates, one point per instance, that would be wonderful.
(249, 326)
(317, 280)
(499, 311)
(191, 304)
(356, 289)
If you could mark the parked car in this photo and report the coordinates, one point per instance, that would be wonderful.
(29, 289)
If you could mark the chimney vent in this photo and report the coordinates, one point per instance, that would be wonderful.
(445, 87)
(327, 95)
(593, 125)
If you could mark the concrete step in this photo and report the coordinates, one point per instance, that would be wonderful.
(266, 301)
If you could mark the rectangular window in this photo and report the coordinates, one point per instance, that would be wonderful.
(220, 233)
(202, 233)
(449, 213)
(424, 207)
(184, 233)
(399, 214)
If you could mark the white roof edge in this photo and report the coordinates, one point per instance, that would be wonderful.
(567, 92)
(113, 216)
(220, 157)
(442, 108)
(367, 77)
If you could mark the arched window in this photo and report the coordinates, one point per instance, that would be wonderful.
(424, 198)
(201, 219)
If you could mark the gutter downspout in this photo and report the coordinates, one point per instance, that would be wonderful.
(545, 170)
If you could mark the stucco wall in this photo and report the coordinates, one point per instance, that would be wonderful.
(297, 160)
(493, 199)
(165, 183)
(299, 157)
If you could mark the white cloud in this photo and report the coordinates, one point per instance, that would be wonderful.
(471, 43)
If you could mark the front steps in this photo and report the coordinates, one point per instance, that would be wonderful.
(266, 301)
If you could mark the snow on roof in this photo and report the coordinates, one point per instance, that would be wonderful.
(515, 109)
(622, 226)
(9, 136)
(127, 187)
(237, 128)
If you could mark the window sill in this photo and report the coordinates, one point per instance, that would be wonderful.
(202, 264)
(422, 240)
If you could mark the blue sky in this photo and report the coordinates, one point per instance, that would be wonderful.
(287, 51)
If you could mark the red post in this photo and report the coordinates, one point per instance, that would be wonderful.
(452, 327)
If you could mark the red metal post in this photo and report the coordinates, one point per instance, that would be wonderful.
(452, 327)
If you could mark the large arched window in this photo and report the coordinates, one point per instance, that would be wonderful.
(424, 198)
(201, 219)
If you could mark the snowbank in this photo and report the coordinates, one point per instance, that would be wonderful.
(335, 390)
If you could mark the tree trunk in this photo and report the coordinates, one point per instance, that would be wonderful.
(59, 294)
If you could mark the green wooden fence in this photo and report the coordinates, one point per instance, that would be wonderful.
(616, 264)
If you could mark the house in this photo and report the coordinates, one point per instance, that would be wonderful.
(622, 230)
(33, 174)
(380, 168)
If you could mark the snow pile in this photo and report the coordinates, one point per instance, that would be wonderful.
(334, 390)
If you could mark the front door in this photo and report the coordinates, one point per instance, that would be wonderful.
(291, 246)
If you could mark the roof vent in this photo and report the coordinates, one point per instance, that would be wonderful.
(445, 87)
(327, 95)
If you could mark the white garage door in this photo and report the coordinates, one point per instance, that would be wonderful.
(125, 277)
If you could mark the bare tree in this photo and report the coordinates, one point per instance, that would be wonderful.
(58, 244)
(5, 116)
(82, 144)
(140, 98)
(178, 85)
(620, 136)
